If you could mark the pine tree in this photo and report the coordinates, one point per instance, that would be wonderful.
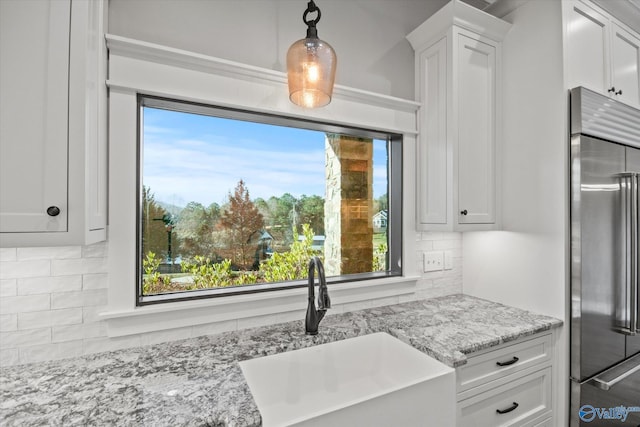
(241, 219)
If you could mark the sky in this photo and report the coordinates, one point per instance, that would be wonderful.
(189, 157)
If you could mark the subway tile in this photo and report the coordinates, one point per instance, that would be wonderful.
(67, 316)
(54, 351)
(20, 269)
(9, 357)
(78, 332)
(78, 266)
(25, 304)
(92, 314)
(95, 281)
(424, 245)
(447, 244)
(8, 254)
(23, 338)
(8, 287)
(45, 285)
(58, 252)
(452, 235)
(8, 322)
(96, 297)
(66, 300)
(431, 235)
(97, 250)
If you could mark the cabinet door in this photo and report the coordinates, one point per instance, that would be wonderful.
(476, 111)
(433, 158)
(625, 63)
(587, 48)
(34, 56)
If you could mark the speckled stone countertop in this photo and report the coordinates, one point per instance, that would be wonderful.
(198, 381)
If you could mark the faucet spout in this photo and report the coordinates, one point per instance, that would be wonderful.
(315, 315)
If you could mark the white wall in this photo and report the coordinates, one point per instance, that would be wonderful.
(368, 35)
(526, 265)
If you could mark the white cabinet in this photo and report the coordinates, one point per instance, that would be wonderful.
(53, 115)
(601, 54)
(508, 385)
(458, 83)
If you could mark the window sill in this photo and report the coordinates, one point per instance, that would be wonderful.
(184, 314)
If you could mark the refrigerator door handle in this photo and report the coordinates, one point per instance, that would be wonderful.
(614, 375)
(629, 187)
(633, 291)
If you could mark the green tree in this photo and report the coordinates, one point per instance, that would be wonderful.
(240, 220)
(283, 211)
(154, 232)
(195, 227)
(381, 203)
(312, 212)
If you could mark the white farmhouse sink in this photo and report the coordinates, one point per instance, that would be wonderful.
(372, 380)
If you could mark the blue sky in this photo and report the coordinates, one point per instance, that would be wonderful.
(189, 157)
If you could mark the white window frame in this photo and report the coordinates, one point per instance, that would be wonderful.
(137, 67)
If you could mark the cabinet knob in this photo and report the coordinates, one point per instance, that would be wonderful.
(464, 212)
(613, 89)
(53, 211)
(619, 92)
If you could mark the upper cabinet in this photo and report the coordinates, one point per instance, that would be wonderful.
(53, 114)
(602, 54)
(458, 54)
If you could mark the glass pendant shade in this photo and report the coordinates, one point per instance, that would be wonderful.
(311, 72)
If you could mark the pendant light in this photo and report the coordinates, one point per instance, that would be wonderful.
(311, 66)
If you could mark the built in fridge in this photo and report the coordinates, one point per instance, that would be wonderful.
(605, 326)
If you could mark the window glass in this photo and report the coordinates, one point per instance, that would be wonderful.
(233, 201)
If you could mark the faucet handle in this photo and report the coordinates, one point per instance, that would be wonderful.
(324, 302)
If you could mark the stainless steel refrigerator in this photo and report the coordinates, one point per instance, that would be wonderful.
(605, 330)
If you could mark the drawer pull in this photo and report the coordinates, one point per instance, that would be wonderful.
(510, 362)
(509, 409)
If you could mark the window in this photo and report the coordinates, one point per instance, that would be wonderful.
(233, 201)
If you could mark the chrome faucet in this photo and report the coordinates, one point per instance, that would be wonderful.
(314, 316)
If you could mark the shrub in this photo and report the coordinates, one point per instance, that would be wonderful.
(293, 264)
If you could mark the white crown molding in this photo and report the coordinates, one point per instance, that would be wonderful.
(461, 15)
(151, 52)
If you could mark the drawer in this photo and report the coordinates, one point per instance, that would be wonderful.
(524, 401)
(502, 361)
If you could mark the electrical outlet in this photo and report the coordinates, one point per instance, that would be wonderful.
(448, 260)
(432, 261)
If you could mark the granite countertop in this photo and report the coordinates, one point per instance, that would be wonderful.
(198, 381)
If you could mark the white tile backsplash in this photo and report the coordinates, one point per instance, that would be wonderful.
(95, 281)
(48, 253)
(8, 254)
(20, 269)
(25, 304)
(25, 338)
(50, 300)
(66, 267)
(40, 319)
(8, 323)
(8, 287)
(47, 285)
